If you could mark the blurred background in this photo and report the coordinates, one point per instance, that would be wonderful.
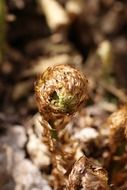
(34, 34)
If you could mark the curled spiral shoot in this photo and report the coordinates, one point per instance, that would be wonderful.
(87, 175)
(60, 91)
(117, 124)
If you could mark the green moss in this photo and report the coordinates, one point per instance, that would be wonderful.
(64, 102)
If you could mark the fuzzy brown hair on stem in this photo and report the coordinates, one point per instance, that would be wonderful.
(60, 91)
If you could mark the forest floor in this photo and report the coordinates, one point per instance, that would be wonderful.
(93, 38)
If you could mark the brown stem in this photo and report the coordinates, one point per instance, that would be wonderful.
(58, 158)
